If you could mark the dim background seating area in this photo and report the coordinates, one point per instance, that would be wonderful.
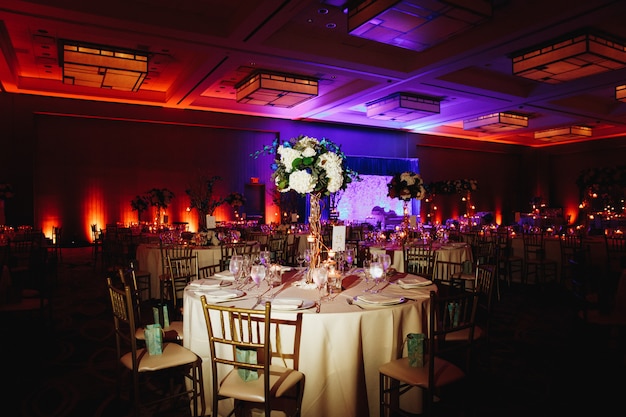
(542, 360)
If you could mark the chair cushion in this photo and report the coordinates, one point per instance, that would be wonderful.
(399, 369)
(281, 380)
(173, 355)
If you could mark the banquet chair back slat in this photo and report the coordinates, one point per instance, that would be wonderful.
(277, 246)
(242, 347)
(182, 270)
(446, 273)
(616, 252)
(536, 264)
(419, 260)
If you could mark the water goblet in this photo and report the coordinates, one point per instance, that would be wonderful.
(264, 257)
(301, 259)
(366, 270)
(307, 256)
(257, 273)
(385, 259)
(376, 271)
(235, 265)
(349, 257)
(320, 278)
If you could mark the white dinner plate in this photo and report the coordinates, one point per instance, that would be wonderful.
(208, 284)
(290, 304)
(222, 294)
(379, 299)
(413, 282)
(225, 275)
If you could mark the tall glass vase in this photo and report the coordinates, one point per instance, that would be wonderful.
(315, 231)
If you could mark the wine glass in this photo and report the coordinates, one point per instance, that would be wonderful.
(264, 257)
(320, 278)
(301, 259)
(257, 273)
(385, 259)
(349, 258)
(376, 271)
(235, 265)
(366, 270)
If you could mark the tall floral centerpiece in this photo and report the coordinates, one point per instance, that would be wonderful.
(310, 167)
(161, 199)
(235, 200)
(140, 204)
(406, 186)
(200, 192)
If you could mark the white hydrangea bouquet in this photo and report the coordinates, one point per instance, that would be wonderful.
(308, 166)
(311, 167)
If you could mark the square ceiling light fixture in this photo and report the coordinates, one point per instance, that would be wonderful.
(574, 56)
(101, 66)
(276, 89)
(402, 107)
(562, 133)
(415, 24)
(620, 92)
(496, 122)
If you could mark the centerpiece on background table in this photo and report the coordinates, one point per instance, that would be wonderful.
(406, 186)
(310, 167)
(235, 200)
(200, 192)
(161, 199)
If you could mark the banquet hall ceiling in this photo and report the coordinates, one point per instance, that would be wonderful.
(200, 50)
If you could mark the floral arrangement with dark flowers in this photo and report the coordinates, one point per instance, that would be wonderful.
(308, 165)
(406, 186)
(140, 203)
(460, 186)
(6, 191)
(160, 197)
(200, 194)
(235, 199)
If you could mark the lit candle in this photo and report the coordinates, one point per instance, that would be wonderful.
(310, 238)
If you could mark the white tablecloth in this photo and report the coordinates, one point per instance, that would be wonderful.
(341, 347)
(455, 253)
(149, 258)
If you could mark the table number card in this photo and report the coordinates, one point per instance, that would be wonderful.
(210, 222)
(339, 238)
(413, 221)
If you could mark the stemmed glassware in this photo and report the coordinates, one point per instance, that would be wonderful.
(376, 271)
(385, 259)
(320, 278)
(301, 259)
(307, 257)
(257, 273)
(235, 265)
(264, 257)
(349, 256)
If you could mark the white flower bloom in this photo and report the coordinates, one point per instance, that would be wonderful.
(408, 177)
(287, 156)
(331, 162)
(277, 181)
(308, 152)
(308, 142)
(301, 182)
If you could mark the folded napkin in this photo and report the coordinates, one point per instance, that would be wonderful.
(286, 303)
(285, 268)
(413, 282)
(225, 294)
(380, 299)
(205, 283)
(225, 275)
(349, 280)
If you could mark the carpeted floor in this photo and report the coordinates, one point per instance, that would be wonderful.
(541, 361)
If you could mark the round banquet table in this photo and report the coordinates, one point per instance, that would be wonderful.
(341, 348)
(149, 259)
(448, 252)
